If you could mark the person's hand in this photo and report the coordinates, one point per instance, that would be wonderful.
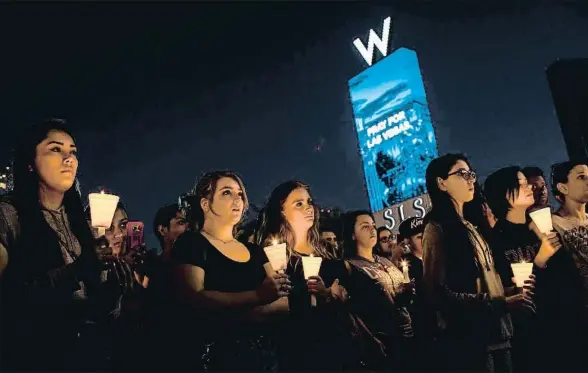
(550, 244)
(142, 280)
(338, 292)
(316, 286)
(520, 302)
(119, 273)
(406, 288)
(529, 286)
(274, 287)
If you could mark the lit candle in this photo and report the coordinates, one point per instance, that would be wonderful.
(522, 272)
(102, 209)
(311, 266)
(404, 265)
(277, 256)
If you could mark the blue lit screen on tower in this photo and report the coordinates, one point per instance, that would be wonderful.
(394, 128)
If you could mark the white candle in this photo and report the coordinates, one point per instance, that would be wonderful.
(277, 256)
(102, 209)
(404, 265)
(522, 272)
(311, 266)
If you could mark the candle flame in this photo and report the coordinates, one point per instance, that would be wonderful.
(523, 261)
(101, 191)
(404, 264)
(274, 242)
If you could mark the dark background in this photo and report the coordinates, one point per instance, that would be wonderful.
(158, 93)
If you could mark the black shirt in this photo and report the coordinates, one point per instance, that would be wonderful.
(221, 274)
(313, 338)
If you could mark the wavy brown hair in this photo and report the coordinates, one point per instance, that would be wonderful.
(274, 226)
(205, 188)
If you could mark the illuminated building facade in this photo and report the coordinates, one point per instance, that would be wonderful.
(394, 129)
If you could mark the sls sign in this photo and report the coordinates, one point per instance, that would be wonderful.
(374, 40)
(392, 216)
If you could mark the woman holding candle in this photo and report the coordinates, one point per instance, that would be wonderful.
(380, 291)
(511, 196)
(115, 239)
(460, 277)
(312, 331)
(51, 296)
(116, 234)
(222, 286)
(121, 273)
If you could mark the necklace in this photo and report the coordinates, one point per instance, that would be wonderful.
(216, 238)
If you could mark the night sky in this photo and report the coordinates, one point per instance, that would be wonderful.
(159, 93)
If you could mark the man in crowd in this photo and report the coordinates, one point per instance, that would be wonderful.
(330, 239)
(411, 231)
(386, 242)
(536, 179)
(169, 223)
(570, 187)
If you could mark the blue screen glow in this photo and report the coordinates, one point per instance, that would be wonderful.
(394, 128)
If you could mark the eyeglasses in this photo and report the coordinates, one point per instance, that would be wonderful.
(387, 239)
(467, 175)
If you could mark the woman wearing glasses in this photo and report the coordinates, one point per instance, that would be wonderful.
(460, 276)
(386, 242)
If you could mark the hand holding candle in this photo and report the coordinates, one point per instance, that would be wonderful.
(522, 272)
(542, 219)
(543, 228)
(102, 209)
(277, 256)
(311, 266)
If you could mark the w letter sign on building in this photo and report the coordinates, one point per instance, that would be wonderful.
(374, 39)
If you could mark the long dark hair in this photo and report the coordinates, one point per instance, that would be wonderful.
(379, 249)
(499, 185)
(456, 236)
(349, 220)
(39, 243)
(476, 213)
(274, 226)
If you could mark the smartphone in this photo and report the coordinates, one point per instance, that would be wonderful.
(135, 235)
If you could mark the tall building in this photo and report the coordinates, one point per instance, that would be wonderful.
(568, 81)
(394, 129)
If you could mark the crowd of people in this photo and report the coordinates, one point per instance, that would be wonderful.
(437, 296)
